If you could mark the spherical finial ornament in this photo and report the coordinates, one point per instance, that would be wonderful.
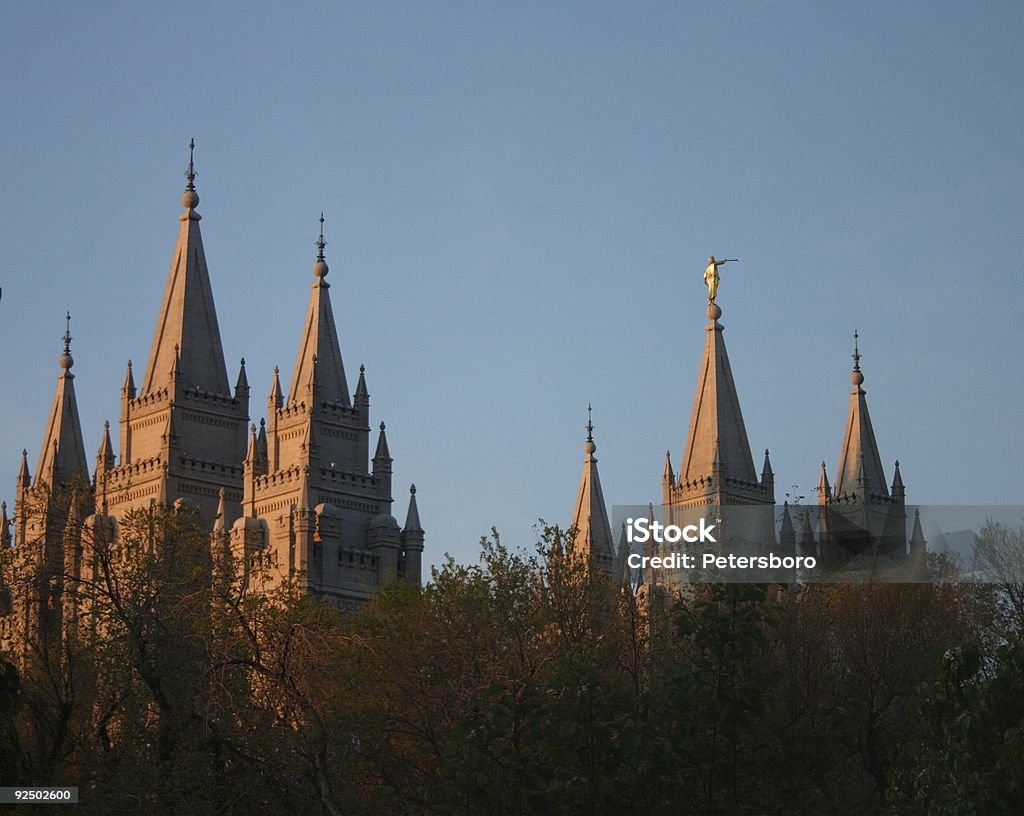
(589, 447)
(714, 311)
(857, 378)
(320, 269)
(66, 361)
(190, 199)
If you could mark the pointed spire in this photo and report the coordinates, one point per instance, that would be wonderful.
(824, 490)
(5, 530)
(766, 470)
(917, 541)
(787, 532)
(898, 489)
(252, 453)
(169, 436)
(276, 398)
(623, 556)
(220, 522)
(242, 384)
(128, 389)
(412, 518)
(24, 477)
(320, 341)
(176, 363)
(62, 458)
(716, 431)
(668, 475)
(105, 459)
(188, 318)
(303, 503)
(261, 441)
(590, 515)
(859, 461)
(382, 454)
(362, 396)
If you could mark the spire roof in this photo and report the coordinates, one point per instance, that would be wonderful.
(412, 518)
(220, 523)
(105, 457)
(62, 457)
(716, 432)
(319, 345)
(382, 453)
(24, 477)
(590, 516)
(187, 337)
(860, 466)
(917, 540)
(276, 398)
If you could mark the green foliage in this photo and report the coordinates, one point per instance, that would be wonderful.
(966, 752)
(522, 684)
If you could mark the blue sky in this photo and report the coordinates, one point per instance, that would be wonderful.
(519, 200)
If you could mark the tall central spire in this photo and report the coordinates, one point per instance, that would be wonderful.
(590, 516)
(187, 337)
(319, 365)
(717, 436)
(860, 466)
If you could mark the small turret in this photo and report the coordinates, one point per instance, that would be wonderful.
(824, 489)
(362, 396)
(105, 459)
(382, 469)
(242, 384)
(275, 399)
(768, 476)
(412, 541)
(899, 491)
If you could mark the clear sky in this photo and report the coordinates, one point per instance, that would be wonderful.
(520, 198)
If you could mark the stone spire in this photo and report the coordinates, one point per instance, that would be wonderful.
(62, 458)
(860, 466)
(412, 518)
(824, 489)
(187, 337)
(105, 459)
(716, 423)
(319, 345)
(590, 516)
(5, 533)
(276, 398)
(24, 477)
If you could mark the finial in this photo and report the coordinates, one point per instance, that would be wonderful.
(320, 268)
(243, 362)
(66, 360)
(590, 446)
(857, 377)
(190, 174)
(190, 198)
(276, 371)
(362, 369)
(106, 425)
(382, 427)
(412, 489)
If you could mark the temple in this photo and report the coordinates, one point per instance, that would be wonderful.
(298, 500)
